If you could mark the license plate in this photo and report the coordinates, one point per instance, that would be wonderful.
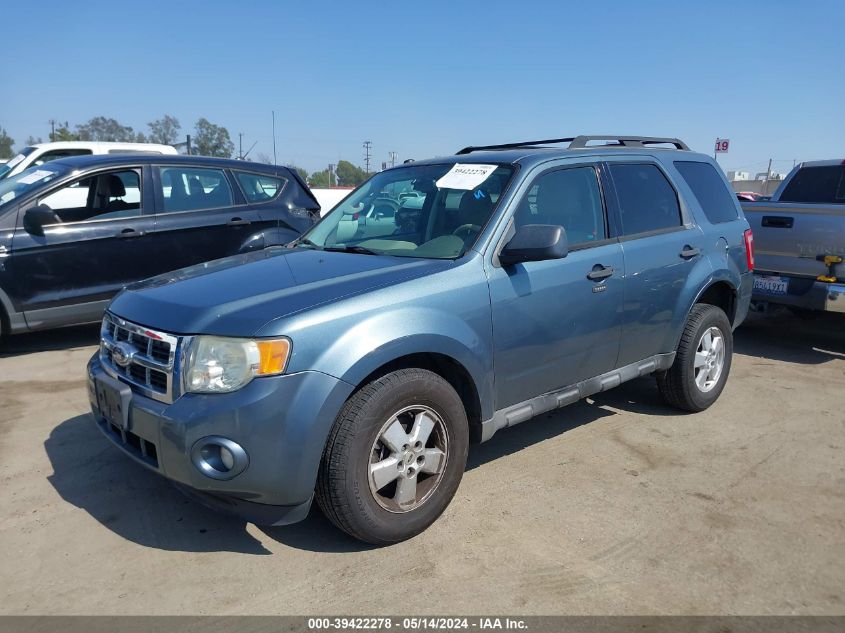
(113, 398)
(771, 284)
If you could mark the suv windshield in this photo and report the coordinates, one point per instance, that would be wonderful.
(9, 166)
(431, 211)
(27, 181)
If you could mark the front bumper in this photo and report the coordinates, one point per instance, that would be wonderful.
(282, 423)
(808, 293)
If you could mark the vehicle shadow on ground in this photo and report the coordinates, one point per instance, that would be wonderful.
(50, 340)
(95, 476)
(819, 338)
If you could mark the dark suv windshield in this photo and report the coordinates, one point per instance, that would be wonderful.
(432, 211)
(27, 181)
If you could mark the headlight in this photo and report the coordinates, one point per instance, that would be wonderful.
(218, 365)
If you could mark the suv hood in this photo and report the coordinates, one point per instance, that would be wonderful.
(237, 295)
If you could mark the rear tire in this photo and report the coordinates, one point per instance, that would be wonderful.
(394, 458)
(702, 362)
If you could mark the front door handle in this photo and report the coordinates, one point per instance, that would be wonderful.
(237, 222)
(126, 233)
(690, 251)
(599, 272)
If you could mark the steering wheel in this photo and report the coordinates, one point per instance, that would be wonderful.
(467, 228)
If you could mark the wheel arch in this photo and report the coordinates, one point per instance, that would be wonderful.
(448, 368)
(722, 294)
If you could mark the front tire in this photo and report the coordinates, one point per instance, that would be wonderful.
(394, 458)
(702, 362)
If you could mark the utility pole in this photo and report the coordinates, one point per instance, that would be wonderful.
(392, 158)
(52, 129)
(766, 181)
(367, 147)
(240, 145)
(332, 179)
(188, 145)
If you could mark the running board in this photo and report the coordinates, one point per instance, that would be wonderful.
(567, 395)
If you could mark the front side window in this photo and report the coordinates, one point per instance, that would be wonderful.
(259, 187)
(825, 185)
(428, 211)
(193, 188)
(717, 202)
(647, 202)
(104, 196)
(570, 198)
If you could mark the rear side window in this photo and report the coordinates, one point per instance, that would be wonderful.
(647, 202)
(259, 187)
(191, 188)
(817, 184)
(713, 196)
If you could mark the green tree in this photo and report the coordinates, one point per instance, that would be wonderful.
(6, 143)
(104, 129)
(63, 133)
(348, 175)
(321, 179)
(165, 130)
(212, 140)
(31, 140)
(299, 170)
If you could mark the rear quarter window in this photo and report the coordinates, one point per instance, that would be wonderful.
(709, 190)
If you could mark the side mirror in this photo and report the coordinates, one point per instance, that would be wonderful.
(36, 218)
(535, 243)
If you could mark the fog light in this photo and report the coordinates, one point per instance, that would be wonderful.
(219, 457)
(226, 458)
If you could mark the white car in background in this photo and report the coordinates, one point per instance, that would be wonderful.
(40, 153)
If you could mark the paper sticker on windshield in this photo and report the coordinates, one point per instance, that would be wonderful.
(35, 176)
(465, 176)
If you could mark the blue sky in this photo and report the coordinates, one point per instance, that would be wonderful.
(427, 78)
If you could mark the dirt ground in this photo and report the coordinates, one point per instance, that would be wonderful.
(616, 505)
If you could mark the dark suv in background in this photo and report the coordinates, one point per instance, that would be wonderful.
(76, 231)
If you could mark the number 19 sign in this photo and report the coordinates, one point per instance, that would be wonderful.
(722, 145)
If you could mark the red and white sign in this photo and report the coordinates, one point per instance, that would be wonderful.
(722, 145)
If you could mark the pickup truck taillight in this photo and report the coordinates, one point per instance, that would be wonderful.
(748, 238)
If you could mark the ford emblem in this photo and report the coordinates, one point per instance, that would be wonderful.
(122, 354)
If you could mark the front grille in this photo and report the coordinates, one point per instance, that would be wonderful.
(139, 356)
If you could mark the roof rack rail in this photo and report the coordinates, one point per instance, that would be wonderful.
(581, 142)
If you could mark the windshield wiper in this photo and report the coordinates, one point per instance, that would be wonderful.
(352, 248)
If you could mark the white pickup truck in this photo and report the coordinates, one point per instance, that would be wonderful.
(799, 239)
(40, 153)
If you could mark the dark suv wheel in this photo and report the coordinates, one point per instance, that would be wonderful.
(394, 458)
(702, 362)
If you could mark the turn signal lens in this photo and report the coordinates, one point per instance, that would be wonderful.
(273, 356)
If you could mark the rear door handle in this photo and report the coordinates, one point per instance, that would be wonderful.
(690, 251)
(599, 272)
(237, 222)
(126, 233)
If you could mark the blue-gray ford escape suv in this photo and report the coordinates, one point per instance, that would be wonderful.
(441, 301)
